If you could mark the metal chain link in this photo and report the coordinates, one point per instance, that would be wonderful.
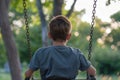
(91, 30)
(91, 36)
(27, 30)
(27, 27)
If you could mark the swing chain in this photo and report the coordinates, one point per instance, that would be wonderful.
(27, 27)
(89, 77)
(27, 31)
(91, 30)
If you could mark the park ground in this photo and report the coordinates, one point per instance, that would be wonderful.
(6, 76)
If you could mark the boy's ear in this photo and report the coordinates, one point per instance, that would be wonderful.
(49, 35)
(68, 36)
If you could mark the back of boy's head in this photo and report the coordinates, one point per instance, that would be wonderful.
(59, 28)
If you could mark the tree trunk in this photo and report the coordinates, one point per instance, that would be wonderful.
(57, 7)
(71, 9)
(9, 42)
(43, 23)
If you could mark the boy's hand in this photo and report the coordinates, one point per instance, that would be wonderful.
(28, 74)
(91, 71)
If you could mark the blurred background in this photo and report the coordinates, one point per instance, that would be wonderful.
(14, 54)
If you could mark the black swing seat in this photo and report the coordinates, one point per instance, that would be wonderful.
(57, 78)
(61, 78)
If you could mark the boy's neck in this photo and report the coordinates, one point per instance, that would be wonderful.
(59, 43)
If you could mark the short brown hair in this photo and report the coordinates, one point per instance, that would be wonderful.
(59, 28)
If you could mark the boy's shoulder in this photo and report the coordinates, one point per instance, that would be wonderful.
(41, 52)
(51, 48)
(42, 49)
(76, 49)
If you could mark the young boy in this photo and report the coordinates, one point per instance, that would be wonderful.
(59, 62)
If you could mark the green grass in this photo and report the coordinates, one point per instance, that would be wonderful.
(6, 76)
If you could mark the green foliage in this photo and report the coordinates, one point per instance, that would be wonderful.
(79, 34)
(116, 16)
(2, 52)
(108, 2)
(16, 8)
(35, 41)
(83, 29)
(114, 38)
(107, 60)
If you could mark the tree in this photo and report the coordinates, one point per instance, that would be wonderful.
(108, 2)
(12, 54)
(43, 23)
(116, 16)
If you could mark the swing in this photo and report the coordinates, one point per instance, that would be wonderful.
(89, 77)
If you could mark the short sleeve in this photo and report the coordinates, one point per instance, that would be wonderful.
(34, 63)
(84, 63)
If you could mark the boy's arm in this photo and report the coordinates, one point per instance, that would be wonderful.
(28, 73)
(91, 71)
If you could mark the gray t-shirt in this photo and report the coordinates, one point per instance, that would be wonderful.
(61, 61)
